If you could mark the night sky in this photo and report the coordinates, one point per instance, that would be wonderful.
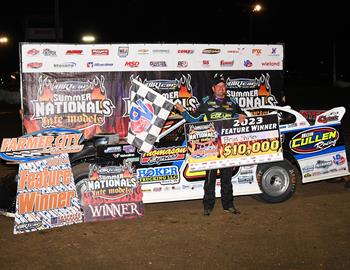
(308, 29)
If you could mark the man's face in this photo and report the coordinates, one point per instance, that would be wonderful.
(219, 90)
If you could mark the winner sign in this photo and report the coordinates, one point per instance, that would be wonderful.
(227, 143)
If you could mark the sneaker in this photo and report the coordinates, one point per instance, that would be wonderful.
(207, 212)
(232, 210)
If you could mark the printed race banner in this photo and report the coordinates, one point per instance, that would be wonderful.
(227, 143)
(46, 195)
(87, 87)
(112, 192)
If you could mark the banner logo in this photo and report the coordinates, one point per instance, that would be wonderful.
(314, 140)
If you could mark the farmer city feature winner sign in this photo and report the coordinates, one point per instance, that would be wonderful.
(46, 193)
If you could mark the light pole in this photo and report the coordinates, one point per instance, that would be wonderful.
(253, 10)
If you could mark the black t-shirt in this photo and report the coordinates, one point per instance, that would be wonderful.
(212, 108)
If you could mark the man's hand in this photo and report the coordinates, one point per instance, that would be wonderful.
(241, 117)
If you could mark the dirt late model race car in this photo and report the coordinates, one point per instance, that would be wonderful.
(311, 152)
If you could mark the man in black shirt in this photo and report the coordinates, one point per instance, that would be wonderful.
(218, 106)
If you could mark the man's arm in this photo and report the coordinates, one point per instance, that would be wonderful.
(194, 117)
(241, 115)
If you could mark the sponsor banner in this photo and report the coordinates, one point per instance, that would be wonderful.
(46, 195)
(71, 103)
(227, 143)
(112, 192)
(99, 102)
(43, 57)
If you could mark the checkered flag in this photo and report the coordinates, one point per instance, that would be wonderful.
(148, 113)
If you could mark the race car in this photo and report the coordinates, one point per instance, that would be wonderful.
(311, 153)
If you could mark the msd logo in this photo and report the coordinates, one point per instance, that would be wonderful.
(132, 64)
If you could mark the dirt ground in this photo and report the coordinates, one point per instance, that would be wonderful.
(309, 231)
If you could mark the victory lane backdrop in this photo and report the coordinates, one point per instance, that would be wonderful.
(87, 87)
(99, 102)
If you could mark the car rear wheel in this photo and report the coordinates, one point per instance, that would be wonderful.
(277, 181)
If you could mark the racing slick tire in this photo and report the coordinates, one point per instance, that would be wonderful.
(277, 181)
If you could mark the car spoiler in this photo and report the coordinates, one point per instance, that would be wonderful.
(330, 116)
